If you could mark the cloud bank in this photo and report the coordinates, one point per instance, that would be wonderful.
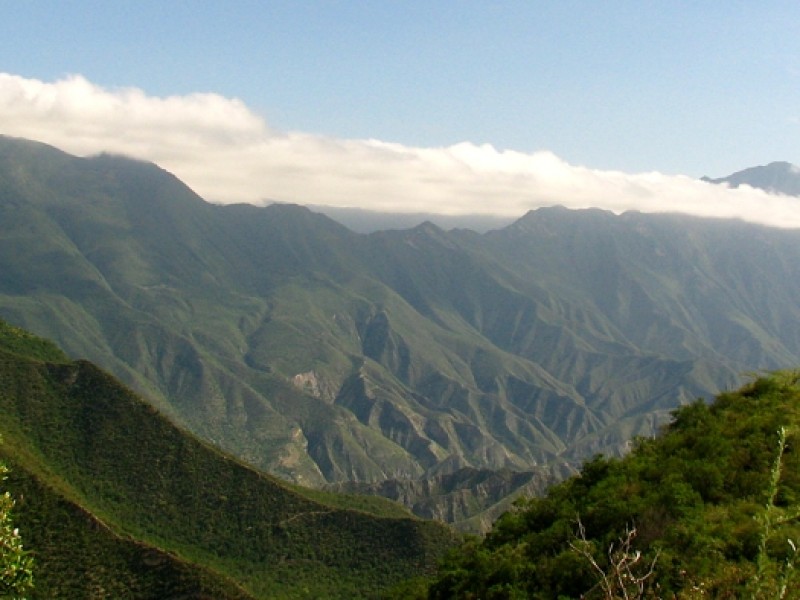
(227, 153)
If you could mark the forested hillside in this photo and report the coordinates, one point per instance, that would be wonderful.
(710, 508)
(114, 501)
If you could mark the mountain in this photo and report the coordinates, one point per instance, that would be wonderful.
(706, 509)
(775, 178)
(367, 221)
(469, 498)
(116, 502)
(326, 356)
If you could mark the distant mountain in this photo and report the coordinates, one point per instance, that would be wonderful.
(470, 498)
(776, 178)
(326, 356)
(116, 502)
(368, 221)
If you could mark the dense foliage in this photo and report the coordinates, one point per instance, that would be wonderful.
(16, 564)
(709, 508)
(115, 501)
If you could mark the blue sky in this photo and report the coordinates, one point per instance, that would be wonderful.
(692, 88)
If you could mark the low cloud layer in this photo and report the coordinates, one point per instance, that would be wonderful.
(227, 153)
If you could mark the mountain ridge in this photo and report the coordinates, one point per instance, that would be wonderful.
(115, 500)
(327, 356)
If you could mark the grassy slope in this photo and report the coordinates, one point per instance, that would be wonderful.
(119, 479)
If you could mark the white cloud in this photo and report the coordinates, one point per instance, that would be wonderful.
(227, 153)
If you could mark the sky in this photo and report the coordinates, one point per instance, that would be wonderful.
(418, 106)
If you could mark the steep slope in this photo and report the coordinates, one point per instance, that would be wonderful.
(117, 501)
(78, 556)
(470, 498)
(326, 356)
(666, 286)
(707, 509)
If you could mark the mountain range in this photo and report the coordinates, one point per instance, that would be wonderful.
(417, 356)
(774, 178)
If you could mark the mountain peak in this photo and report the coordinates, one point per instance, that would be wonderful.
(782, 165)
(543, 220)
(428, 227)
(778, 177)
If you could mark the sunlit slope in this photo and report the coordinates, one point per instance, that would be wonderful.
(112, 495)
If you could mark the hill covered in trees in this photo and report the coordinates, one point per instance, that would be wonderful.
(115, 501)
(710, 508)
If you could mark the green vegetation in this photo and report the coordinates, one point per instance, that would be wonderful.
(26, 345)
(16, 565)
(710, 508)
(115, 501)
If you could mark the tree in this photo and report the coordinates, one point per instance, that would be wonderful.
(16, 565)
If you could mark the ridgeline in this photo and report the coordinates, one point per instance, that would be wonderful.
(117, 502)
